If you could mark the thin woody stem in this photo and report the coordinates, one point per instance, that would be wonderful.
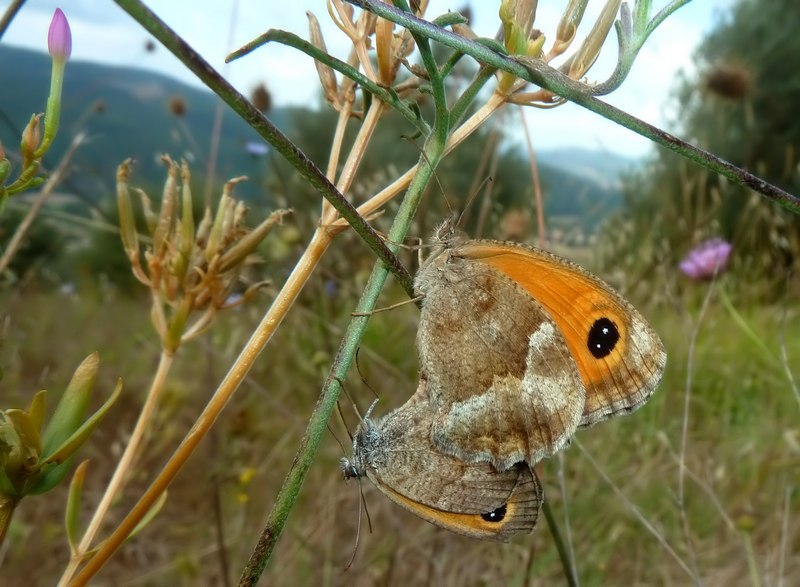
(124, 465)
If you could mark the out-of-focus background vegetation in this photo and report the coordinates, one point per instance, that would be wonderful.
(69, 291)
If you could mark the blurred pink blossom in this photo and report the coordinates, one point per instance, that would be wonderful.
(59, 37)
(707, 259)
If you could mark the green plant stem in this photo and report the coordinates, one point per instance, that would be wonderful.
(268, 131)
(53, 110)
(541, 74)
(7, 506)
(563, 552)
(629, 48)
(318, 423)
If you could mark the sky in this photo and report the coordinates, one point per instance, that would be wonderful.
(103, 32)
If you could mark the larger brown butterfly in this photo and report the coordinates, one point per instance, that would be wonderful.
(521, 348)
(397, 454)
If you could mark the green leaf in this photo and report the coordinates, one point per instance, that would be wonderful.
(28, 433)
(74, 506)
(37, 409)
(73, 443)
(10, 445)
(61, 456)
(72, 407)
(6, 486)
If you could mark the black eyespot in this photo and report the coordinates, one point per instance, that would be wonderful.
(603, 337)
(495, 516)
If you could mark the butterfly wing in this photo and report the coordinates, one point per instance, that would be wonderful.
(501, 379)
(398, 455)
(619, 357)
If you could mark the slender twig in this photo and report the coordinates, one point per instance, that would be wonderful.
(9, 15)
(216, 127)
(562, 487)
(318, 423)
(543, 75)
(787, 506)
(537, 185)
(785, 358)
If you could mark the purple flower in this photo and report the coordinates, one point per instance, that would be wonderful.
(707, 259)
(59, 37)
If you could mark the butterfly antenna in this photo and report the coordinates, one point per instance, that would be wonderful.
(470, 201)
(364, 503)
(363, 379)
(358, 533)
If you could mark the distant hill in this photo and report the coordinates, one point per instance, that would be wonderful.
(127, 113)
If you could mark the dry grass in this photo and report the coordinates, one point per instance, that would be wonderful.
(742, 459)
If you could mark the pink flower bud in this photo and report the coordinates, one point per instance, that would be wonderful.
(59, 37)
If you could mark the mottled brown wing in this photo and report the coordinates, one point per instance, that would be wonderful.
(501, 379)
(398, 455)
(619, 357)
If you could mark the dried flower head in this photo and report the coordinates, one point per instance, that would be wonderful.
(177, 106)
(261, 98)
(729, 81)
(189, 268)
(707, 259)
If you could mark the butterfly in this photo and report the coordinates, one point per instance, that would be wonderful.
(397, 454)
(520, 348)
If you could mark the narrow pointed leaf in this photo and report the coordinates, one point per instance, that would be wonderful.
(72, 406)
(28, 432)
(74, 442)
(74, 506)
(37, 409)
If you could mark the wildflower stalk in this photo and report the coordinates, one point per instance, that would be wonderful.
(561, 547)
(317, 425)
